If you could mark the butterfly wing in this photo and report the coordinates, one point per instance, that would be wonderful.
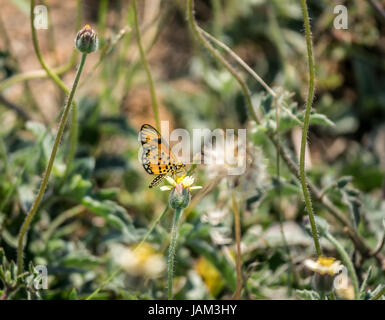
(158, 179)
(157, 157)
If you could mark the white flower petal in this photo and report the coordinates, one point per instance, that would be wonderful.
(171, 181)
(311, 264)
(323, 268)
(196, 187)
(165, 188)
(187, 181)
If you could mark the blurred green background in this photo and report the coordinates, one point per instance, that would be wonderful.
(87, 223)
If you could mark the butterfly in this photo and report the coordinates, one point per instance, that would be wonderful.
(157, 157)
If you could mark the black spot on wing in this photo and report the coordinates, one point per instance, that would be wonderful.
(158, 179)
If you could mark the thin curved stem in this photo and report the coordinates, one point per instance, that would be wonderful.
(171, 252)
(251, 72)
(108, 280)
(61, 85)
(305, 128)
(153, 225)
(70, 213)
(155, 105)
(43, 186)
(217, 55)
(39, 55)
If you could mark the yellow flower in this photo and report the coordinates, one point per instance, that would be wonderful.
(181, 182)
(140, 261)
(210, 275)
(324, 265)
(179, 197)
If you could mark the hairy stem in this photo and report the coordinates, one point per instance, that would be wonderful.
(61, 85)
(171, 252)
(305, 128)
(43, 186)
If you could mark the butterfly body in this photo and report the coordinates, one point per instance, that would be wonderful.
(157, 157)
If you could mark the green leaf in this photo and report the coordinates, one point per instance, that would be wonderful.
(308, 295)
(343, 181)
(286, 188)
(77, 188)
(107, 193)
(351, 198)
(79, 260)
(321, 119)
(114, 214)
(286, 122)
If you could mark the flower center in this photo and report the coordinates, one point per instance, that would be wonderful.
(179, 179)
(324, 261)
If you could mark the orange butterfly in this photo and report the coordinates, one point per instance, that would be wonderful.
(157, 157)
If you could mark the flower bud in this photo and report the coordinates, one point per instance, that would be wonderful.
(179, 197)
(86, 40)
(323, 283)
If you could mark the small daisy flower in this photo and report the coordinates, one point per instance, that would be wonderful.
(180, 182)
(180, 191)
(324, 265)
(325, 269)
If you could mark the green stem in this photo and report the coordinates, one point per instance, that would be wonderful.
(60, 219)
(39, 55)
(305, 128)
(155, 106)
(171, 251)
(108, 280)
(43, 186)
(153, 225)
(347, 262)
(196, 30)
(61, 85)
